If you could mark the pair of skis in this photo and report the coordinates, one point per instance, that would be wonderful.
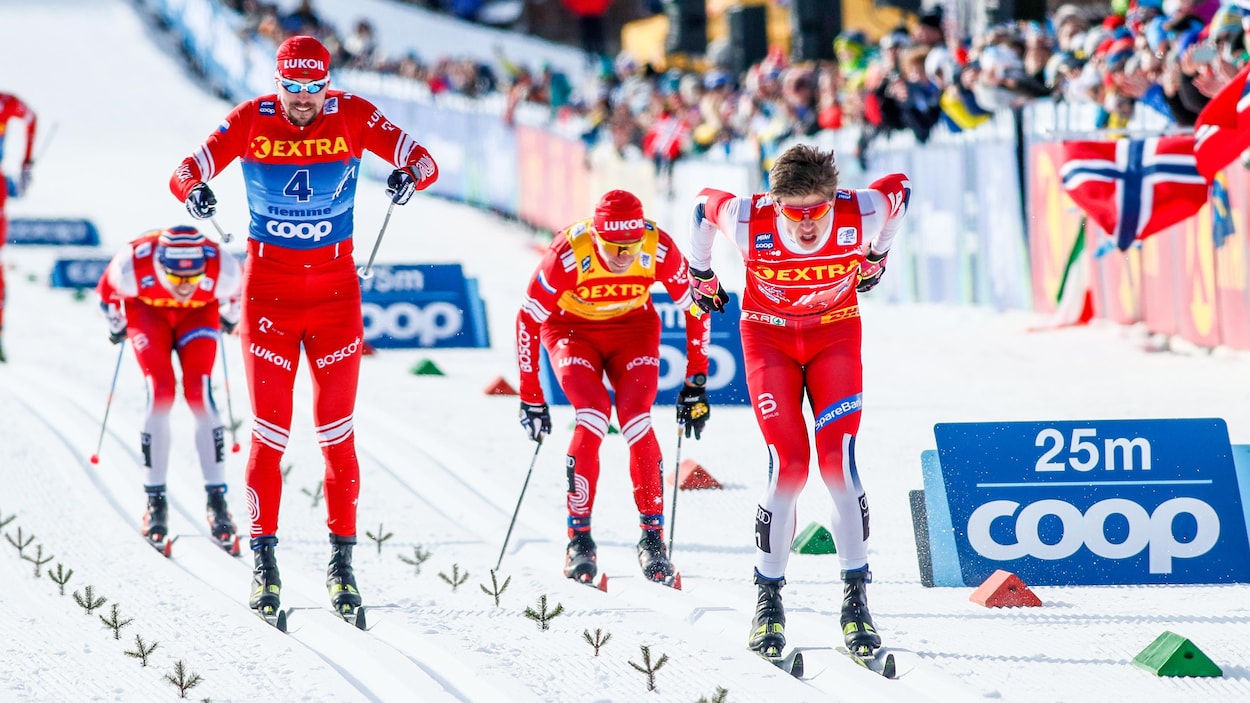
(228, 543)
(673, 581)
(879, 661)
(278, 617)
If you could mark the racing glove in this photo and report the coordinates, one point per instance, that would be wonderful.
(116, 320)
(201, 202)
(708, 293)
(536, 420)
(872, 270)
(404, 181)
(693, 409)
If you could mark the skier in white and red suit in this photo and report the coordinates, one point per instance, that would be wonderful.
(170, 291)
(300, 150)
(12, 108)
(590, 304)
(810, 247)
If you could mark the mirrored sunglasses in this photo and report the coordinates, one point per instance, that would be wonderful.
(296, 87)
(796, 214)
(177, 280)
(621, 248)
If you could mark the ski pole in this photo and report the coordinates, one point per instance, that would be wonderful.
(226, 237)
(366, 271)
(121, 349)
(518, 505)
(225, 374)
(672, 520)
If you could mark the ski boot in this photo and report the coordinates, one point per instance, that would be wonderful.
(220, 526)
(857, 629)
(768, 627)
(653, 558)
(580, 561)
(266, 583)
(341, 581)
(156, 519)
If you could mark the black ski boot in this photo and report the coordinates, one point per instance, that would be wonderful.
(220, 526)
(768, 628)
(653, 557)
(341, 579)
(857, 629)
(581, 559)
(266, 583)
(156, 519)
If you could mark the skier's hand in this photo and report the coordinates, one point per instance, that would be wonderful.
(229, 313)
(693, 409)
(201, 202)
(23, 180)
(708, 293)
(871, 272)
(116, 320)
(418, 175)
(536, 420)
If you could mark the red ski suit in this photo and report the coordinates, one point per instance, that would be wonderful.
(593, 321)
(801, 335)
(300, 287)
(12, 108)
(159, 324)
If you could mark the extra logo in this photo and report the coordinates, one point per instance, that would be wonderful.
(263, 147)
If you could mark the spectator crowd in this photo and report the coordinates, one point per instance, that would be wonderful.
(1167, 56)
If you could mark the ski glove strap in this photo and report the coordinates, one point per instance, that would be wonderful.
(535, 420)
(708, 293)
(872, 270)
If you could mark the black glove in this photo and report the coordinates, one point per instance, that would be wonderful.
(201, 202)
(872, 270)
(708, 293)
(228, 327)
(692, 406)
(117, 322)
(536, 420)
(400, 186)
(23, 181)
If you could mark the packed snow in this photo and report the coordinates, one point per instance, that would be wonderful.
(443, 464)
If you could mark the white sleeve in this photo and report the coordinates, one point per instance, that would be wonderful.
(121, 274)
(229, 276)
(732, 221)
(879, 227)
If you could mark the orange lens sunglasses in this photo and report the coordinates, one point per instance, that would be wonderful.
(177, 280)
(621, 249)
(795, 213)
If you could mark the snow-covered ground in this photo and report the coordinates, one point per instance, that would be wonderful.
(443, 464)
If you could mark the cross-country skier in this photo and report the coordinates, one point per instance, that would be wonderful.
(169, 291)
(589, 303)
(810, 247)
(300, 150)
(12, 108)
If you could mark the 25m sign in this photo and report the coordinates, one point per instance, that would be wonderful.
(1097, 502)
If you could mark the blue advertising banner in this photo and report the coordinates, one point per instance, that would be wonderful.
(1086, 502)
(726, 378)
(56, 232)
(422, 305)
(78, 273)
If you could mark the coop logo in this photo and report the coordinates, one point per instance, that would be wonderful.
(1150, 531)
(764, 242)
(642, 361)
(339, 354)
(276, 359)
(315, 231)
(407, 321)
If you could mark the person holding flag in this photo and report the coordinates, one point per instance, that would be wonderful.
(169, 291)
(301, 149)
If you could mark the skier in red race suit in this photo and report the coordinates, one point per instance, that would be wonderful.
(809, 247)
(12, 108)
(170, 291)
(590, 304)
(300, 151)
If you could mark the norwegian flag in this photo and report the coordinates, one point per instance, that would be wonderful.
(1134, 187)
(1223, 127)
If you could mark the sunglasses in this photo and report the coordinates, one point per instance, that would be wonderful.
(795, 213)
(296, 87)
(630, 248)
(177, 280)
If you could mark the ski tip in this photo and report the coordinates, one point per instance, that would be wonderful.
(234, 547)
(280, 621)
(168, 549)
(677, 581)
(796, 666)
(360, 619)
(603, 583)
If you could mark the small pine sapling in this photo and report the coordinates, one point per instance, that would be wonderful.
(20, 543)
(38, 560)
(597, 640)
(542, 616)
(182, 679)
(380, 537)
(419, 557)
(286, 471)
(456, 579)
(142, 651)
(721, 695)
(60, 576)
(495, 590)
(4, 521)
(314, 494)
(115, 622)
(88, 599)
(647, 667)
